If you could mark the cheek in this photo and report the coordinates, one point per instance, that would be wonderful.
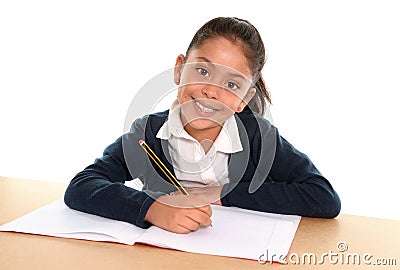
(181, 92)
(186, 92)
(232, 100)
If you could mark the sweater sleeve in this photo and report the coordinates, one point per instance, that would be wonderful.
(293, 186)
(99, 189)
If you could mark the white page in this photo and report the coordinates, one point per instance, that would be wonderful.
(235, 233)
(57, 219)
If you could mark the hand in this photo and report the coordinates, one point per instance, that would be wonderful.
(211, 194)
(179, 214)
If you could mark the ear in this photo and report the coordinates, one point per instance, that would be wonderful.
(246, 99)
(180, 60)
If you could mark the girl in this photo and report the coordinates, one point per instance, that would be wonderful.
(214, 140)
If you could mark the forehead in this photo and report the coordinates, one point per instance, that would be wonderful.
(222, 51)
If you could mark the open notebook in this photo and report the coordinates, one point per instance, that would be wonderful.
(235, 232)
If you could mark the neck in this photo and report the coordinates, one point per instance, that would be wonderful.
(205, 137)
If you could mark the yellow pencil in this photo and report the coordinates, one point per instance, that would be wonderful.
(163, 168)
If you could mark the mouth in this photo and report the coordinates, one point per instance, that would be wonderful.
(204, 108)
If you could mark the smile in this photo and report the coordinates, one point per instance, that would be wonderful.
(204, 109)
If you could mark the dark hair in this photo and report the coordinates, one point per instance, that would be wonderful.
(243, 32)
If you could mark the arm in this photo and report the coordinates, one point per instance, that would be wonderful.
(293, 186)
(99, 189)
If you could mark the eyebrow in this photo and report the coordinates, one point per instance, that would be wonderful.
(205, 60)
(213, 65)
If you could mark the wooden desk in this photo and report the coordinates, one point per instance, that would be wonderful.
(363, 235)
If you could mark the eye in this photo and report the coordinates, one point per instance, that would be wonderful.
(203, 72)
(232, 85)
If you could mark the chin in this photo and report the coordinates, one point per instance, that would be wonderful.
(203, 124)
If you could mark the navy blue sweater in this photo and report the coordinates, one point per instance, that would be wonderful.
(269, 175)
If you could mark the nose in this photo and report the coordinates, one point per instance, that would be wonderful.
(210, 91)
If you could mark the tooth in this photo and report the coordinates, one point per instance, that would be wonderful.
(204, 109)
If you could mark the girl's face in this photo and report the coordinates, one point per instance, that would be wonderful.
(214, 83)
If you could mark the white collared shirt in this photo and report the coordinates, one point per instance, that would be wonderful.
(192, 166)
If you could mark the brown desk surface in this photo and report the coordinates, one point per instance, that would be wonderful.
(363, 235)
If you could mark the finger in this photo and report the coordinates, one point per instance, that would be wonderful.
(190, 224)
(206, 209)
(182, 229)
(193, 190)
(200, 217)
(178, 200)
(205, 220)
(199, 200)
(203, 196)
(217, 202)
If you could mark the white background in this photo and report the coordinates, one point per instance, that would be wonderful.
(69, 70)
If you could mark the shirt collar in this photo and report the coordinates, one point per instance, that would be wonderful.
(228, 140)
